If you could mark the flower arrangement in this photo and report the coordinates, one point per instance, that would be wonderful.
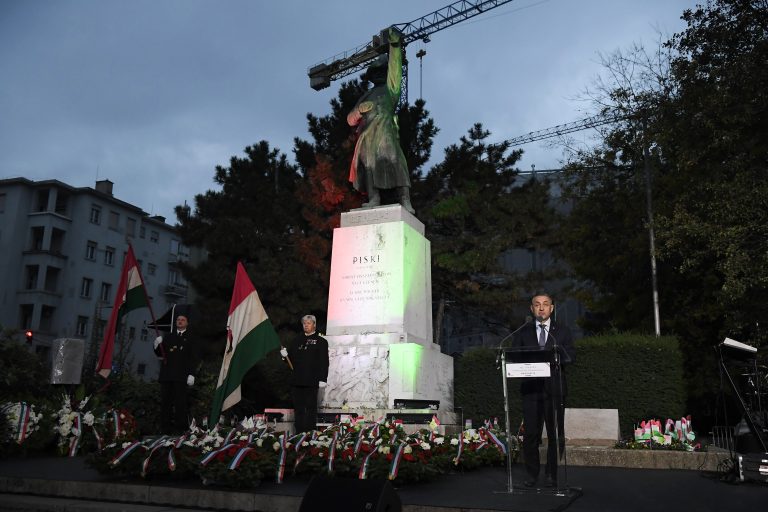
(677, 435)
(253, 451)
(21, 419)
(71, 424)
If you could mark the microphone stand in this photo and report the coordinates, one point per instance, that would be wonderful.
(557, 410)
(501, 356)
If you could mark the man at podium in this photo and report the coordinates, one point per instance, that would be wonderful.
(543, 398)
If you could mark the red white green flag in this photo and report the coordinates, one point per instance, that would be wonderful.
(131, 295)
(250, 336)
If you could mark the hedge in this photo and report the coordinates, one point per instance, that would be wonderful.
(641, 376)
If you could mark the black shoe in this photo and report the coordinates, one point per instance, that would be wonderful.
(531, 482)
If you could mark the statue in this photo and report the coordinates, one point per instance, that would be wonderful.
(378, 162)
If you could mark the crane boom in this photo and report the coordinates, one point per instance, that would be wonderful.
(346, 63)
(562, 129)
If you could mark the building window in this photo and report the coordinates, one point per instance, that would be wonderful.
(85, 288)
(154, 237)
(142, 232)
(81, 328)
(26, 311)
(57, 240)
(131, 333)
(106, 288)
(95, 214)
(46, 318)
(151, 269)
(42, 200)
(38, 234)
(109, 256)
(130, 226)
(90, 250)
(114, 220)
(141, 369)
(99, 326)
(62, 202)
(144, 334)
(52, 279)
(30, 277)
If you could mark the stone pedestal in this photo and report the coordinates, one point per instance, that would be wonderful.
(379, 326)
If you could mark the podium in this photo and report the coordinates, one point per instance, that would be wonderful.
(535, 364)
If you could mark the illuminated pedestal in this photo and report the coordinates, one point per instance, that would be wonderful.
(379, 326)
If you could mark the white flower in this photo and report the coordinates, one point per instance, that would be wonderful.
(391, 431)
(126, 445)
(88, 418)
(439, 440)
(425, 446)
(305, 444)
(378, 441)
(276, 446)
(384, 449)
(407, 449)
(454, 441)
(259, 442)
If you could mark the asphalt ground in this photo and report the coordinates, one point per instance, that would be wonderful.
(28, 484)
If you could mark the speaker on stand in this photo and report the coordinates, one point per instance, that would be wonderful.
(350, 495)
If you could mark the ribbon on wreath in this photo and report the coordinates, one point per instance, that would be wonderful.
(396, 461)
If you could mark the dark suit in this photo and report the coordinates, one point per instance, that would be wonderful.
(181, 360)
(310, 366)
(542, 400)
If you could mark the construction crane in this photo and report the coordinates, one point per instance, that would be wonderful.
(323, 73)
(562, 129)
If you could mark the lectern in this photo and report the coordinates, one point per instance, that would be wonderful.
(536, 363)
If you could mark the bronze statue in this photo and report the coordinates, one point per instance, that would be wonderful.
(378, 162)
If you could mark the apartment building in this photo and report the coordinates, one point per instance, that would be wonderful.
(62, 254)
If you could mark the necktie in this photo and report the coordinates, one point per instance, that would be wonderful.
(542, 335)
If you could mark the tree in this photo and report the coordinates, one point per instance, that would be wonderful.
(252, 218)
(474, 209)
(697, 106)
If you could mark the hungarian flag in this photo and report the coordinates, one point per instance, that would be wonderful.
(250, 335)
(131, 295)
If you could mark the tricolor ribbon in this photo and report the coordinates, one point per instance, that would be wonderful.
(116, 421)
(239, 456)
(23, 423)
(495, 440)
(364, 467)
(124, 453)
(332, 452)
(359, 442)
(281, 460)
(158, 443)
(457, 458)
(74, 444)
(396, 461)
(208, 458)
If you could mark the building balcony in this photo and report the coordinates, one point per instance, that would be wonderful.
(174, 290)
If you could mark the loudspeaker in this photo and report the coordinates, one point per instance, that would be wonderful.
(350, 495)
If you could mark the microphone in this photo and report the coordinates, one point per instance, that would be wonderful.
(528, 320)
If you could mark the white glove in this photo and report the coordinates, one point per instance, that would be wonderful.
(321, 384)
(190, 380)
(283, 352)
(158, 341)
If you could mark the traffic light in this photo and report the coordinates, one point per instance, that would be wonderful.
(29, 335)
